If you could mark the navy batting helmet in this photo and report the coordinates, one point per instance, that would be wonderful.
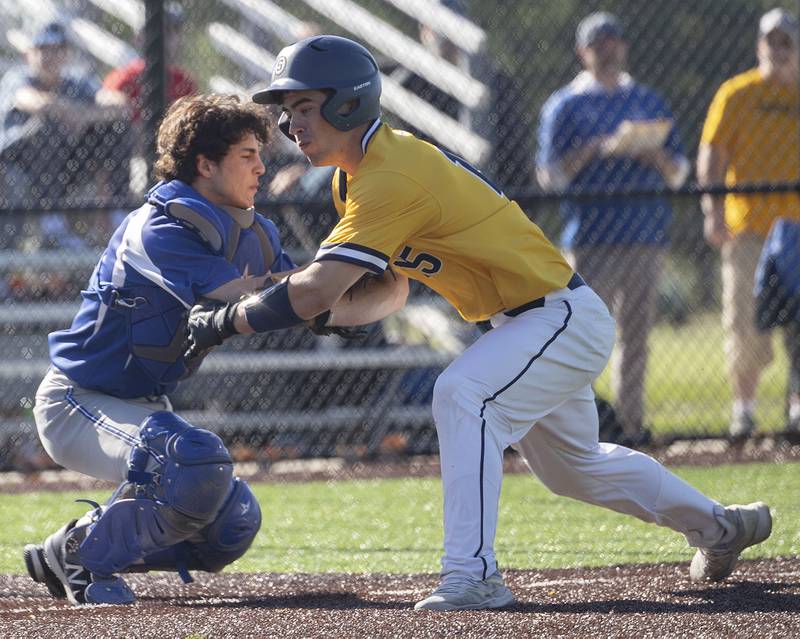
(329, 63)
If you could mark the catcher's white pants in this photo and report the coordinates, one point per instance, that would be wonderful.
(527, 384)
(87, 431)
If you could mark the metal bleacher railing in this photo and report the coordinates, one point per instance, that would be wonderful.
(299, 395)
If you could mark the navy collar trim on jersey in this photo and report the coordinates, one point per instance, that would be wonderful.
(342, 185)
(369, 134)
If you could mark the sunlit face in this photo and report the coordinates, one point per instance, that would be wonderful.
(317, 138)
(608, 54)
(234, 180)
(46, 62)
(778, 49)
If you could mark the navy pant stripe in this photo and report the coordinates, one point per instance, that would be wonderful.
(560, 330)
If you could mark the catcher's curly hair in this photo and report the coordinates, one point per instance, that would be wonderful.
(205, 125)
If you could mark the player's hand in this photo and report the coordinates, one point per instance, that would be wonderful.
(318, 326)
(715, 230)
(210, 323)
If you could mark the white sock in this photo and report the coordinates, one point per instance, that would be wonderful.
(794, 409)
(744, 407)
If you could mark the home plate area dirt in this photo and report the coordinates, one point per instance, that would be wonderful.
(762, 600)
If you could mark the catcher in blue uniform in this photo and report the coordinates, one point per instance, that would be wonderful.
(102, 409)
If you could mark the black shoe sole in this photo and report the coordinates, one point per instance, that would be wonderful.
(34, 557)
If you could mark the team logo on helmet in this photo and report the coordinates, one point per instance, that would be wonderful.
(280, 66)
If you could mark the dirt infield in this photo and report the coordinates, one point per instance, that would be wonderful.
(761, 600)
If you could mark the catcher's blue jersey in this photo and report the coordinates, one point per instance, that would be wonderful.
(126, 340)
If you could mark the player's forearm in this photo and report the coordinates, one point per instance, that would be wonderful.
(712, 165)
(370, 301)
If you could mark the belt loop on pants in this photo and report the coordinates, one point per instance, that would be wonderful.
(576, 281)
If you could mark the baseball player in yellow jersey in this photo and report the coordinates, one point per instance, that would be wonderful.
(410, 210)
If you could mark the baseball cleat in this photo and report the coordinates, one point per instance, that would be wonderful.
(40, 572)
(64, 565)
(746, 526)
(81, 586)
(464, 593)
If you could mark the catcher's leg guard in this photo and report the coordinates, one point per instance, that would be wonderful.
(79, 585)
(220, 543)
(158, 509)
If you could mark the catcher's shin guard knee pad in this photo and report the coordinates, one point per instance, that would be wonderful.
(229, 536)
(220, 543)
(162, 506)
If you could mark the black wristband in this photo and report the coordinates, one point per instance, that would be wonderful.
(272, 310)
(230, 316)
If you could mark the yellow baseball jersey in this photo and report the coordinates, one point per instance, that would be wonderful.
(755, 121)
(434, 218)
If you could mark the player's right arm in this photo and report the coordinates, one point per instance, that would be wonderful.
(712, 163)
(354, 295)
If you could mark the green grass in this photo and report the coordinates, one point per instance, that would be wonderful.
(395, 525)
(687, 388)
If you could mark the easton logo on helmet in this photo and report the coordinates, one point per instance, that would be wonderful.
(280, 65)
(361, 86)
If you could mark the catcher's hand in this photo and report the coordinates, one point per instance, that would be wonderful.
(210, 323)
(317, 326)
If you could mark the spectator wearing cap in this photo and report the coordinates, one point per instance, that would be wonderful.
(48, 154)
(124, 84)
(751, 136)
(606, 132)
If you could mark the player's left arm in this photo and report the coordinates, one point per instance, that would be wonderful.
(352, 294)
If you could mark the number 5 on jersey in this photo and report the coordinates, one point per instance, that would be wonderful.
(426, 263)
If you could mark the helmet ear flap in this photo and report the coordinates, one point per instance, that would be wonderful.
(283, 124)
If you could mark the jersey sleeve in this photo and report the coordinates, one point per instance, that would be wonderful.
(176, 259)
(718, 127)
(380, 213)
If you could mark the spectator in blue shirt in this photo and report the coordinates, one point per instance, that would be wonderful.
(617, 243)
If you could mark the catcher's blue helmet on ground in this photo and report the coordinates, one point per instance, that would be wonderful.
(328, 63)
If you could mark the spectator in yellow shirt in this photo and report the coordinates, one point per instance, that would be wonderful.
(751, 136)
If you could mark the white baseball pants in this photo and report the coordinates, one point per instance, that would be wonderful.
(527, 384)
(87, 431)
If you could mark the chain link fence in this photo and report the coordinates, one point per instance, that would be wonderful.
(476, 77)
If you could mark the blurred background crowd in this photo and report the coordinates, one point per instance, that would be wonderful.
(657, 142)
